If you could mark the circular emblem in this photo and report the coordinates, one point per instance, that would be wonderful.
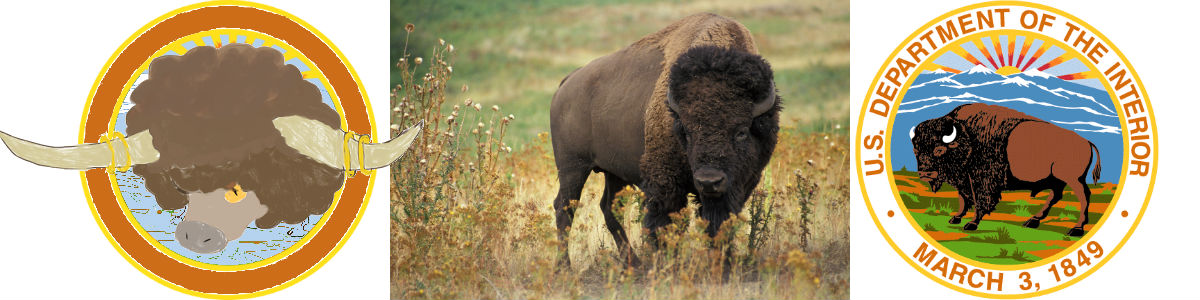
(268, 255)
(1006, 149)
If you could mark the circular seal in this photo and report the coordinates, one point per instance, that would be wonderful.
(1006, 149)
(261, 260)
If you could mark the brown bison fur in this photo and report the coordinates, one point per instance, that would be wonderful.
(711, 72)
(997, 148)
(210, 112)
(612, 116)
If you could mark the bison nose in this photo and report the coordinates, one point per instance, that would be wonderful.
(710, 181)
(928, 175)
(200, 237)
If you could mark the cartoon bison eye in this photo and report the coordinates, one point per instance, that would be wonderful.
(953, 134)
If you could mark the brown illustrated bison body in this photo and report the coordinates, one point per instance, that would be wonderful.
(983, 149)
(689, 109)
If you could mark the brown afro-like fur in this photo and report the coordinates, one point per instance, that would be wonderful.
(210, 112)
(749, 75)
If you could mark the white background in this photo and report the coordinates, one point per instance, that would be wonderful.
(50, 55)
(1158, 261)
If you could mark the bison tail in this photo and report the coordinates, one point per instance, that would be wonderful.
(1096, 170)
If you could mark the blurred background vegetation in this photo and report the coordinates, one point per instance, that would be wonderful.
(514, 53)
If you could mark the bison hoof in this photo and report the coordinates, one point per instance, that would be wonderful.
(1033, 223)
(955, 220)
(970, 226)
(1077, 231)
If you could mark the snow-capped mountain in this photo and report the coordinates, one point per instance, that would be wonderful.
(1088, 111)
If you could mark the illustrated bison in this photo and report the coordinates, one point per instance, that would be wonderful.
(690, 109)
(983, 149)
(233, 134)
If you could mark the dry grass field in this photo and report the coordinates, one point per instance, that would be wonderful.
(472, 212)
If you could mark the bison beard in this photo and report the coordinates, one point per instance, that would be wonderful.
(211, 113)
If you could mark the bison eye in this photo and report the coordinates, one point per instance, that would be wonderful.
(742, 135)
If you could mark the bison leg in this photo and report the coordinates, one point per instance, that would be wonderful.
(991, 195)
(570, 184)
(612, 184)
(1036, 220)
(661, 202)
(962, 210)
(1084, 194)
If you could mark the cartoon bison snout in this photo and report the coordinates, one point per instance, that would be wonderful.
(234, 135)
(215, 218)
(982, 150)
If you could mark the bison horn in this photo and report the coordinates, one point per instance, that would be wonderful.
(912, 132)
(671, 102)
(953, 134)
(765, 104)
(328, 146)
(115, 152)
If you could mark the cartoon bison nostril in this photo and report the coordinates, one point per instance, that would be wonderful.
(710, 181)
(200, 237)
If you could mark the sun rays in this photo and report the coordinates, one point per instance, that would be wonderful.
(1008, 54)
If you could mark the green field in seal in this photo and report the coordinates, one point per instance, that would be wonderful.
(1001, 238)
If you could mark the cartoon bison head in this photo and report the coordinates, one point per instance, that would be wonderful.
(233, 134)
(941, 146)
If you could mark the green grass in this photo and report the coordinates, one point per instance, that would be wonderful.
(513, 54)
(986, 243)
(997, 241)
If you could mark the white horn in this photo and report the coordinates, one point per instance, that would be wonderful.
(325, 144)
(912, 132)
(953, 134)
(140, 150)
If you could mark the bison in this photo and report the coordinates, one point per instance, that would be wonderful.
(690, 109)
(983, 149)
(233, 134)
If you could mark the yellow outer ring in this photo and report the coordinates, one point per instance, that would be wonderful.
(1145, 101)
